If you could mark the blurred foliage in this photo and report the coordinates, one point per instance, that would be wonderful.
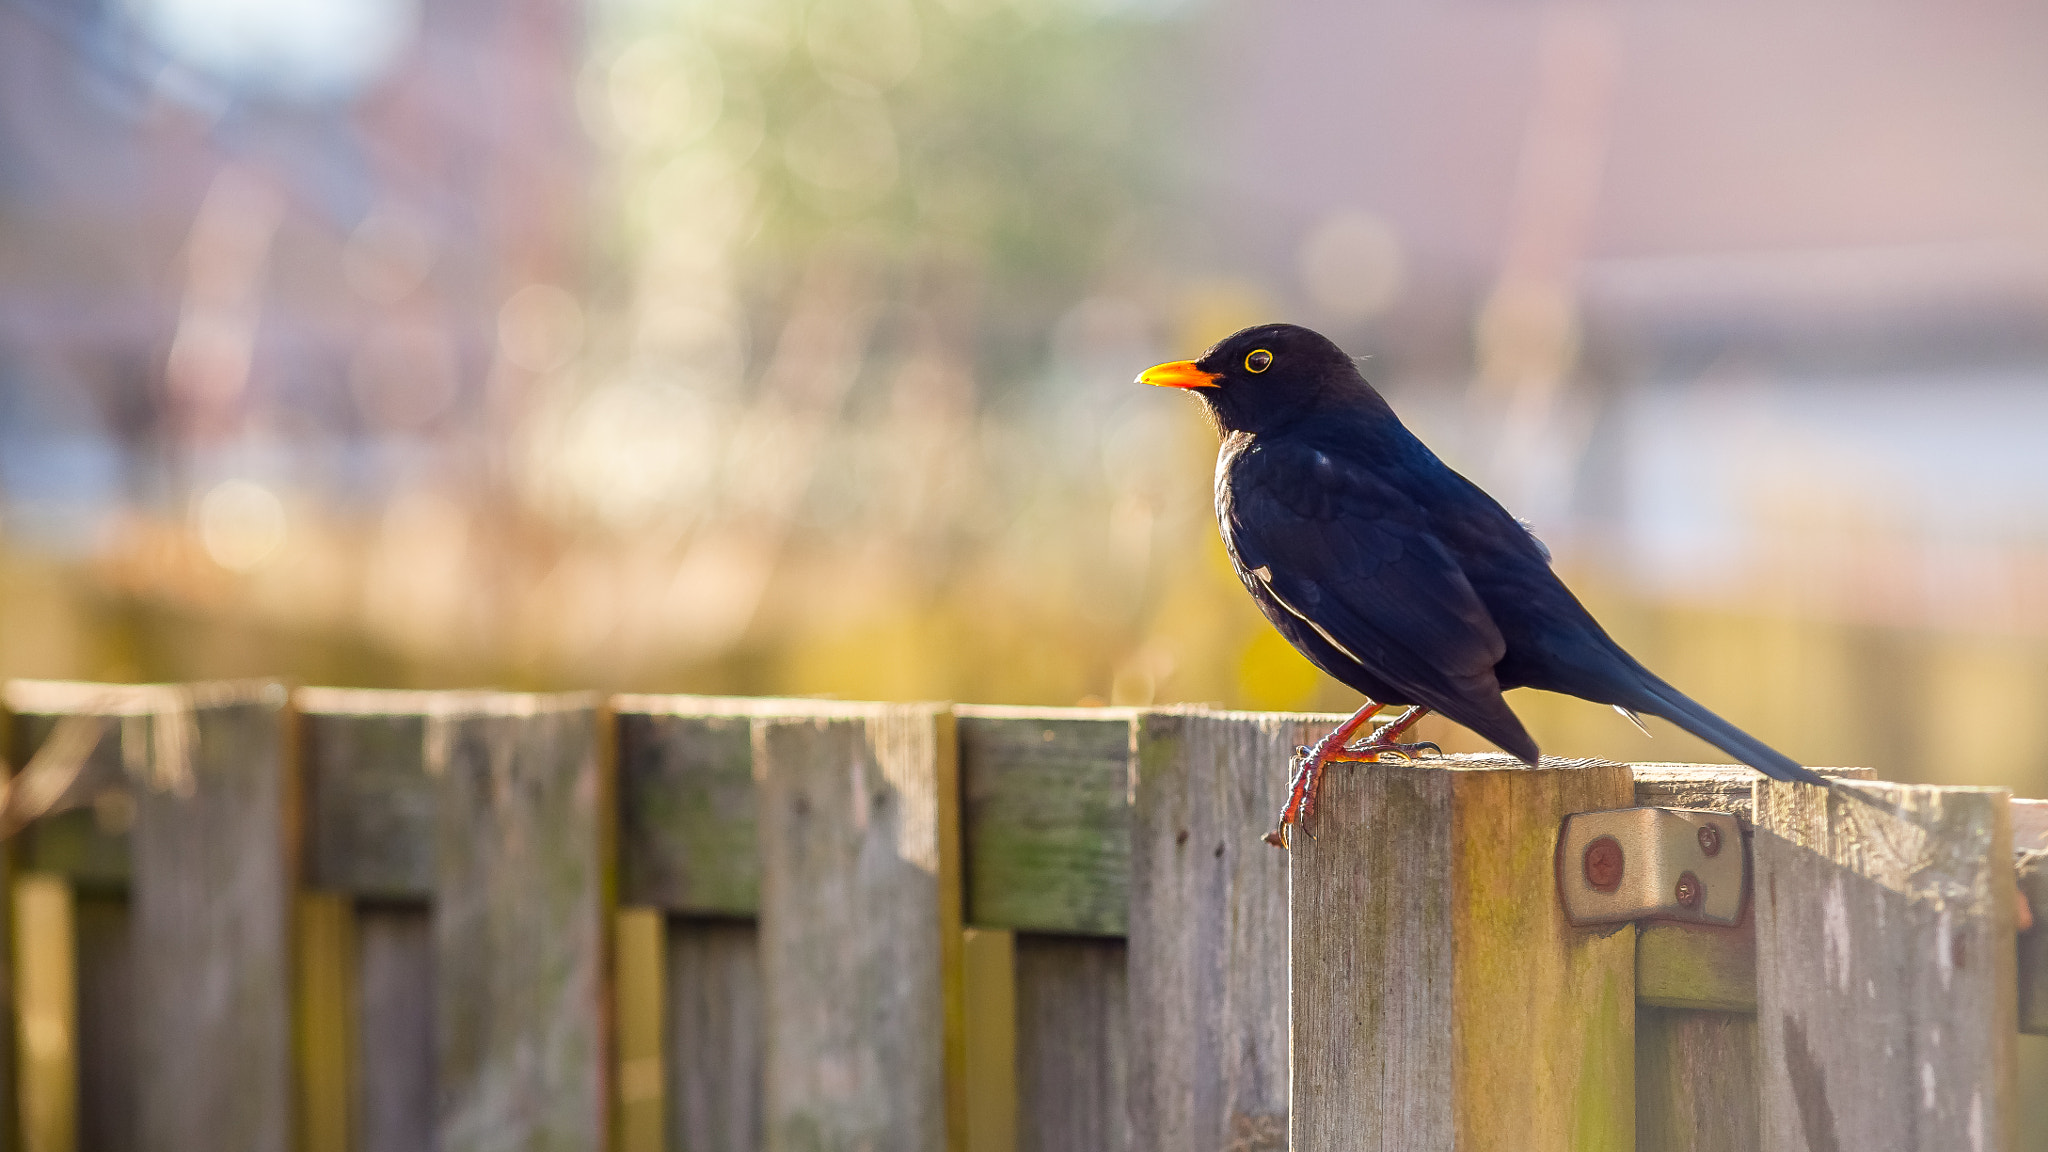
(987, 160)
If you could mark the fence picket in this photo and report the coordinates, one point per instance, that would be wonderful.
(1208, 942)
(394, 1071)
(860, 928)
(214, 873)
(1886, 999)
(714, 1036)
(520, 922)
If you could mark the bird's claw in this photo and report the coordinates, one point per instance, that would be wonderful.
(1370, 753)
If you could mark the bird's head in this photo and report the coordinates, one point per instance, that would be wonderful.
(1265, 376)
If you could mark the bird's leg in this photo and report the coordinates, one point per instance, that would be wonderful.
(1308, 770)
(1385, 738)
(1308, 773)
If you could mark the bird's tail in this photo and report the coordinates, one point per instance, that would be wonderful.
(1661, 699)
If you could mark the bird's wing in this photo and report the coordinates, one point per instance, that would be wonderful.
(1353, 557)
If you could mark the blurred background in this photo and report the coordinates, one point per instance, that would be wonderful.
(769, 346)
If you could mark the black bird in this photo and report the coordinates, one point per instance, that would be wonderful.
(1395, 574)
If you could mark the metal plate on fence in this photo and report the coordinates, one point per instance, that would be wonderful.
(1637, 863)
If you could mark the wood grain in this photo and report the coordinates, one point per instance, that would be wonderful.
(370, 802)
(1696, 995)
(860, 928)
(1439, 999)
(1695, 1081)
(2031, 875)
(106, 1024)
(214, 871)
(2030, 842)
(1046, 795)
(1886, 1007)
(1702, 966)
(716, 1023)
(1046, 808)
(1208, 955)
(84, 842)
(2029, 825)
(394, 1061)
(1717, 787)
(520, 920)
(1073, 1045)
(686, 813)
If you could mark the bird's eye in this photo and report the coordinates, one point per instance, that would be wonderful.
(1258, 361)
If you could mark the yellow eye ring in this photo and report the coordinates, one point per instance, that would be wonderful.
(1258, 361)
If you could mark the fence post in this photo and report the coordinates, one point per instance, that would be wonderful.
(860, 929)
(520, 920)
(1209, 930)
(1439, 1000)
(1886, 992)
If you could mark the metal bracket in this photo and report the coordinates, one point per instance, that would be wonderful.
(1668, 863)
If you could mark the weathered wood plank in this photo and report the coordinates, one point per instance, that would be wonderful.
(1046, 808)
(1047, 819)
(2029, 825)
(2030, 841)
(1695, 1081)
(215, 866)
(715, 1035)
(1698, 966)
(860, 927)
(2031, 875)
(370, 802)
(1439, 999)
(1073, 1045)
(106, 1024)
(83, 841)
(686, 809)
(1885, 983)
(1702, 966)
(1208, 956)
(1696, 995)
(394, 1050)
(520, 916)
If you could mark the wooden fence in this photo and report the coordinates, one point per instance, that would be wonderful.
(250, 918)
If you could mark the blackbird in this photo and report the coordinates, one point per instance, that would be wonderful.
(1395, 574)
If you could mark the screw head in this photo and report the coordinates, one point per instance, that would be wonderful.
(1710, 840)
(1689, 891)
(1604, 864)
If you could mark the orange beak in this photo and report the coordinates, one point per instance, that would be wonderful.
(1179, 374)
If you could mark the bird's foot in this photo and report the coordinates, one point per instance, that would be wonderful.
(1369, 753)
(1302, 782)
(1307, 778)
